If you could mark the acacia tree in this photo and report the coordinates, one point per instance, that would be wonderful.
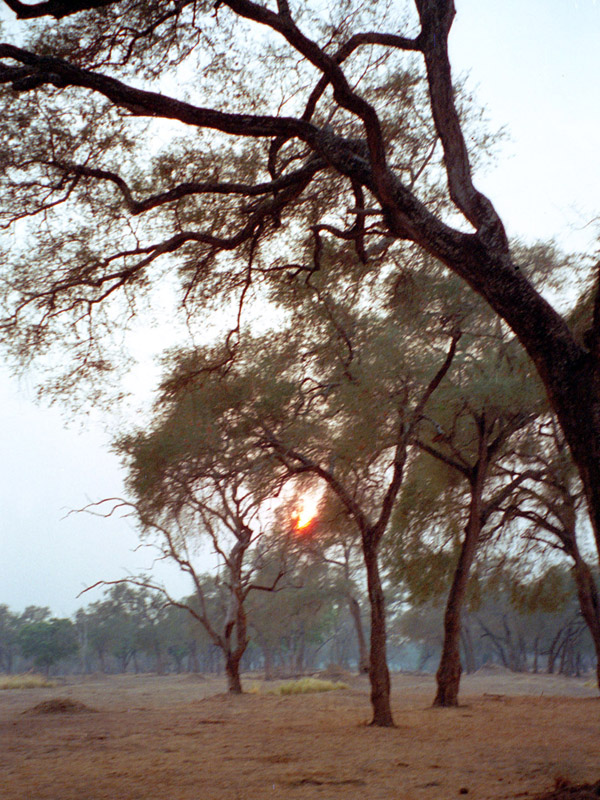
(336, 124)
(192, 476)
(338, 399)
(472, 420)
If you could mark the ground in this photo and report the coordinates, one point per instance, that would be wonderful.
(182, 738)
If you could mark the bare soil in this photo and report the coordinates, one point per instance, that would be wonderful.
(182, 738)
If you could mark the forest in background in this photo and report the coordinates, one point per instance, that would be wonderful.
(305, 628)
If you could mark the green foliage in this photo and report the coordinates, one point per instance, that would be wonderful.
(99, 175)
(550, 592)
(47, 643)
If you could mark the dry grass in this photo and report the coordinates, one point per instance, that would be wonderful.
(27, 681)
(307, 686)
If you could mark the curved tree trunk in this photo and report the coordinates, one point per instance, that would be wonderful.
(379, 674)
(449, 670)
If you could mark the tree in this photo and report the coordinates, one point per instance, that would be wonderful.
(347, 142)
(336, 401)
(9, 627)
(193, 474)
(550, 505)
(475, 418)
(298, 626)
(48, 642)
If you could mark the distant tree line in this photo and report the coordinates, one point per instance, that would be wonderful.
(308, 626)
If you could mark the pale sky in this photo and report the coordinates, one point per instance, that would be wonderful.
(536, 66)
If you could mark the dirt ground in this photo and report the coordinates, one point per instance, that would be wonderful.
(181, 738)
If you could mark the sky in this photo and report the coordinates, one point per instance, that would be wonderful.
(535, 65)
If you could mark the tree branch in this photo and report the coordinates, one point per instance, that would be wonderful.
(55, 8)
(39, 70)
(405, 431)
(188, 188)
(436, 20)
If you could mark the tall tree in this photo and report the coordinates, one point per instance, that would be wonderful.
(194, 476)
(350, 150)
(473, 418)
(347, 125)
(338, 399)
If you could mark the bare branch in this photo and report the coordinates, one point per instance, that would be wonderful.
(188, 188)
(40, 70)
(55, 8)
(436, 20)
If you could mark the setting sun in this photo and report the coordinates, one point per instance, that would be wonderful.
(305, 512)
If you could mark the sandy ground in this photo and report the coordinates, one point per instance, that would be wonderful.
(181, 738)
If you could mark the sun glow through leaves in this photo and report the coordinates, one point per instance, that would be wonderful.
(305, 512)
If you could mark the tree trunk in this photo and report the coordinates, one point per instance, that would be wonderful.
(298, 658)
(235, 630)
(379, 675)
(449, 670)
(193, 663)
(232, 670)
(268, 662)
(363, 655)
(160, 661)
(589, 604)
(553, 652)
(101, 661)
(468, 650)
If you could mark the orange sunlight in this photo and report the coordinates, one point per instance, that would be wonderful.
(305, 512)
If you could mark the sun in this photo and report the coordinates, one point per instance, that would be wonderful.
(305, 512)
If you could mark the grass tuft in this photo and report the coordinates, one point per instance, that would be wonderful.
(27, 681)
(306, 686)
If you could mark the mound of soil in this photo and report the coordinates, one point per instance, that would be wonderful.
(60, 705)
(565, 791)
